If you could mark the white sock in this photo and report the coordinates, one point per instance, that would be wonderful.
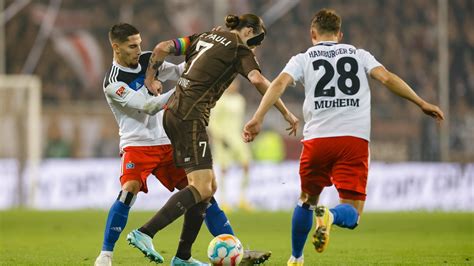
(107, 253)
(300, 259)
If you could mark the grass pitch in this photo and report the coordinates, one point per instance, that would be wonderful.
(75, 237)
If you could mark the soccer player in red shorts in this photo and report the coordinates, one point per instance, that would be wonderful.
(337, 127)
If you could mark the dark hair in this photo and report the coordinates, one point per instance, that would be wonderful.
(121, 31)
(234, 22)
(326, 21)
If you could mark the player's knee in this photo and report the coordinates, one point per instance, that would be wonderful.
(309, 199)
(206, 193)
(205, 190)
(202, 180)
(132, 186)
(354, 198)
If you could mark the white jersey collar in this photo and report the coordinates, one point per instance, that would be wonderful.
(326, 43)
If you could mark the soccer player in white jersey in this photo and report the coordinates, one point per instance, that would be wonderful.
(145, 148)
(337, 127)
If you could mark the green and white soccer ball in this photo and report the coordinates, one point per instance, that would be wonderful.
(225, 250)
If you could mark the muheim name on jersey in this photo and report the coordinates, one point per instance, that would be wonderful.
(323, 104)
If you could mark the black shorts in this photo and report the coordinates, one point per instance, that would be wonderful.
(190, 142)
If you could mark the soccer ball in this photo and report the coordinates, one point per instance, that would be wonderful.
(225, 250)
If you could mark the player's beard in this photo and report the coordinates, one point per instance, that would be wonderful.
(133, 64)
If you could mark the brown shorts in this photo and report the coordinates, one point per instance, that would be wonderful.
(190, 142)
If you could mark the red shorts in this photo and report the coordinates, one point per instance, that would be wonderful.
(342, 161)
(138, 162)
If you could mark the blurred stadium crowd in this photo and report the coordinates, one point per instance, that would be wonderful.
(402, 34)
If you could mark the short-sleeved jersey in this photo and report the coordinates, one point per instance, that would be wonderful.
(337, 93)
(121, 85)
(213, 60)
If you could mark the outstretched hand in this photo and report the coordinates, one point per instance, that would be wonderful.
(433, 111)
(254, 126)
(293, 121)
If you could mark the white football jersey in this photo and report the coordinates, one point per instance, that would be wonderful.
(337, 93)
(126, 93)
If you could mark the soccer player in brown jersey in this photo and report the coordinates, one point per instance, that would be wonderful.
(145, 148)
(213, 60)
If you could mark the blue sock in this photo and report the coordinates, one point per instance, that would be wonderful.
(301, 224)
(116, 221)
(216, 221)
(345, 215)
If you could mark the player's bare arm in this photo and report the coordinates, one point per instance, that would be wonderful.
(262, 84)
(271, 97)
(157, 58)
(395, 84)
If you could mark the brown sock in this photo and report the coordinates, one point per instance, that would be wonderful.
(193, 219)
(172, 210)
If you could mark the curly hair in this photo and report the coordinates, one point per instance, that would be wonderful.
(326, 21)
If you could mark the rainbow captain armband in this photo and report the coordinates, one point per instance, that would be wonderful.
(181, 45)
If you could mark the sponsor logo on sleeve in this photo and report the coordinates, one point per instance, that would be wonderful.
(120, 91)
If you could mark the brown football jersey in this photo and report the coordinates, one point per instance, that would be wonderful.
(213, 60)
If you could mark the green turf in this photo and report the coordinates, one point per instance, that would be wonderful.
(74, 238)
